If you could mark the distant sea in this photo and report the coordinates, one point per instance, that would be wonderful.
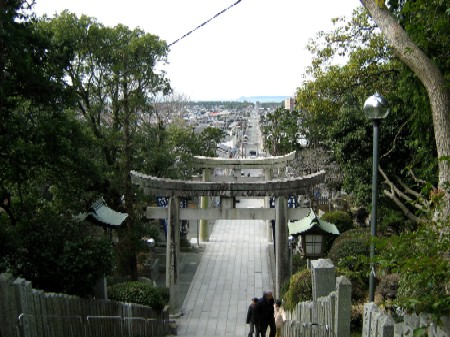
(263, 99)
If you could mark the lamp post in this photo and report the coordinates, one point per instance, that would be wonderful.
(291, 240)
(376, 109)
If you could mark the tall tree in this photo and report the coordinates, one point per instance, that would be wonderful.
(113, 72)
(281, 131)
(331, 106)
(46, 164)
(40, 144)
(408, 51)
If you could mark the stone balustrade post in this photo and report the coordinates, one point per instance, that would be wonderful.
(343, 306)
(323, 275)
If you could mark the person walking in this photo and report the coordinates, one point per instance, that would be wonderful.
(264, 315)
(251, 317)
(280, 317)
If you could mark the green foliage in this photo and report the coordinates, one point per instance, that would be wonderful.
(115, 81)
(167, 151)
(349, 138)
(298, 263)
(9, 241)
(332, 97)
(144, 293)
(184, 143)
(350, 253)
(342, 220)
(281, 132)
(348, 248)
(358, 277)
(151, 230)
(61, 255)
(42, 145)
(418, 257)
(299, 290)
(393, 222)
(208, 140)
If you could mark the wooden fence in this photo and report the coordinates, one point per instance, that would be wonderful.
(26, 312)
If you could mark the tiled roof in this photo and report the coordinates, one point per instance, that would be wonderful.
(305, 224)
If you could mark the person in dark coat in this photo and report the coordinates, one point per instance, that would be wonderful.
(264, 315)
(251, 317)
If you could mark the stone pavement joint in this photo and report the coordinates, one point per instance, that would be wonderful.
(234, 268)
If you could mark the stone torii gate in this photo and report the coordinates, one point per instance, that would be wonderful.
(281, 189)
(267, 164)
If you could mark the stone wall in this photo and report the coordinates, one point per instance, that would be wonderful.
(378, 323)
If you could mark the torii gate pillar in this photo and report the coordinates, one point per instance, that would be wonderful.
(281, 244)
(203, 224)
(268, 176)
(173, 252)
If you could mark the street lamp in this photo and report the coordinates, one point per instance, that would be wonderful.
(376, 109)
(150, 243)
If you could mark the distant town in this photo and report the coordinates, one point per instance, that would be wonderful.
(235, 118)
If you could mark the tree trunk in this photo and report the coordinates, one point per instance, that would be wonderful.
(430, 76)
(128, 191)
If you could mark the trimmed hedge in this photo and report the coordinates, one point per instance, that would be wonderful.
(343, 222)
(144, 293)
(300, 289)
(350, 254)
(349, 246)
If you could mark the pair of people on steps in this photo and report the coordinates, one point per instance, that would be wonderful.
(262, 315)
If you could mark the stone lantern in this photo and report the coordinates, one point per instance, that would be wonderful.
(311, 232)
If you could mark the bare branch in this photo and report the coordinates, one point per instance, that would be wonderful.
(417, 179)
(409, 190)
(395, 139)
(405, 210)
(395, 191)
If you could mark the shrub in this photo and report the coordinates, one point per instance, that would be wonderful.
(298, 263)
(342, 220)
(151, 230)
(144, 293)
(349, 247)
(58, 254)
(8, 245)
(419, 258)
(300, 289)
(360, 283)
(350, 253)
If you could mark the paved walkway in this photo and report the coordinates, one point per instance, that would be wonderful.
(234, 268)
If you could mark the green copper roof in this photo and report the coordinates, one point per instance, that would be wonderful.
(102, 213)
(305, 224)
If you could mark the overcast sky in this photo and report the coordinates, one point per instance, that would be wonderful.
(256, 48)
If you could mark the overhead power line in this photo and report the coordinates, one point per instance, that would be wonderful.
(204, 23)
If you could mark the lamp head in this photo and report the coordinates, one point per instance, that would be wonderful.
(376, 107)
(151, 242)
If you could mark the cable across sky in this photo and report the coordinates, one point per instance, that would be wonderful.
(204, 23)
